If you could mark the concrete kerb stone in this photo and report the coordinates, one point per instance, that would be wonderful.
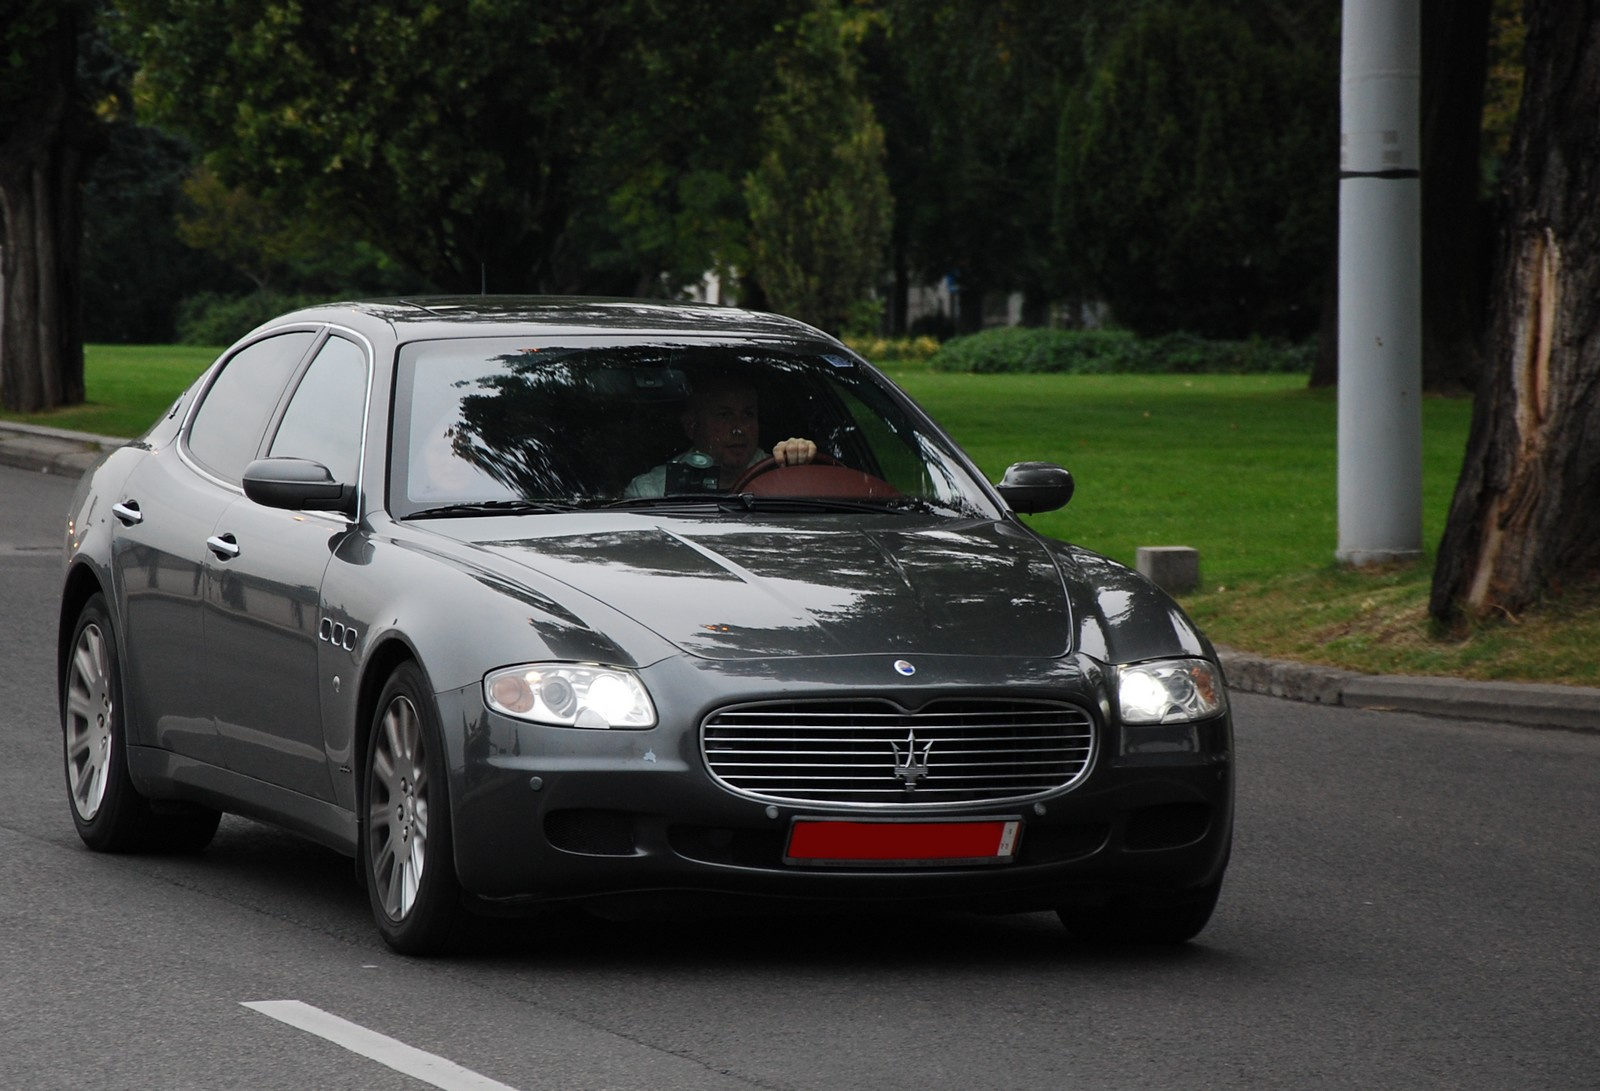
(1280, 678)
(1575, 708)
(52, 450)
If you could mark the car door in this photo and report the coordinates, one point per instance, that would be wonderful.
(167, 509)
(263, 611)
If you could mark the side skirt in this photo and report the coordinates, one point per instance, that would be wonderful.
(162, 775)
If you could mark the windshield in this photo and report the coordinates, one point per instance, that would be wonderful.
(484, 425)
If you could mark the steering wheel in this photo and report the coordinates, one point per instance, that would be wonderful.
(822, 477)
(768, 464)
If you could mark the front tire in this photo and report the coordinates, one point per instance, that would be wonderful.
(108, 811)
(408, 858)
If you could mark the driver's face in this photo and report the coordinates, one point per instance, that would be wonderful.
(723, 424)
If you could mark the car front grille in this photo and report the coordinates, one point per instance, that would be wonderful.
(875, 753)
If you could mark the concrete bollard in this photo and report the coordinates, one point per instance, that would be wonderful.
(1174, 569)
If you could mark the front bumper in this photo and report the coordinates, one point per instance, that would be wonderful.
(546, 814)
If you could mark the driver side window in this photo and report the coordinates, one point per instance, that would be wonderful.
(324, 418)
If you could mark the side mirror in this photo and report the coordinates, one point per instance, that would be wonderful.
(297, 484)
(1030, 487)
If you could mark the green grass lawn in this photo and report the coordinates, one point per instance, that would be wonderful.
(127, 387)
(1242, 468)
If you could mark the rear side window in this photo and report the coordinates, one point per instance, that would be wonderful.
(323, 420)
(228, 425)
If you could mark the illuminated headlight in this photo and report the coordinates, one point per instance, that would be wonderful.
(1170, 691)
(570, 695)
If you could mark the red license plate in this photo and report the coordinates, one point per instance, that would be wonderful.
(894, 842)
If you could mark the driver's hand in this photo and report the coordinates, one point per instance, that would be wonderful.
(794, 452)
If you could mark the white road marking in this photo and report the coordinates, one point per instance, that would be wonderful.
(427, 1067)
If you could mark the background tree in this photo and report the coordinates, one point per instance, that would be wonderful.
(1194, 173)
(48, 134)
(819, 200)
(136, 271)
(969, 92)
(1455, 221)
(244, 232)
(479, 141)
(1524, 518)
(275, 251)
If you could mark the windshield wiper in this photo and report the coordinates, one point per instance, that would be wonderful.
(493, 507)
(699, 501)
(751, 502)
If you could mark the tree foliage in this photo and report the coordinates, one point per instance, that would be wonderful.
(481, 141)
(136, 270)
(1195, 183)
(969, 92)
(819, 199)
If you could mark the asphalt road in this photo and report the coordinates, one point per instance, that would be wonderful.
(1411, 904)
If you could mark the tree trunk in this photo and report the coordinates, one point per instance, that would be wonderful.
(1526, 514)
(43, 155)
(969, 307)
(1325, 368)
(1455, 58)
(900, 293)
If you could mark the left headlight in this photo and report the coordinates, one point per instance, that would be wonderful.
(570, 695)
(1170, 691)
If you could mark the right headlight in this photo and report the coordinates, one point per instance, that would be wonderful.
(570, 695)
(1170, 691)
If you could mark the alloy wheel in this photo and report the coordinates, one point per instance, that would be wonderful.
(397, 802)
(90, 708)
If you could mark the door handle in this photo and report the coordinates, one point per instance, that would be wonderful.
(128, 513)
(225, 546)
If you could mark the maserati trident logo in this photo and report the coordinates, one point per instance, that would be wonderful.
(911, 760)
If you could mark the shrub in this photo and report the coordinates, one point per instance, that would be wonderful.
(889, 350)
(212, 319)
(1111, 352)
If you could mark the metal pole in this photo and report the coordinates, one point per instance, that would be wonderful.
(1380, 284)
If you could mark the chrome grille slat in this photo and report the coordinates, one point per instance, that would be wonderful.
(975, 750)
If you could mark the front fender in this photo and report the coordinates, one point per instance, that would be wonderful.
(386, 597)
(1119, 615)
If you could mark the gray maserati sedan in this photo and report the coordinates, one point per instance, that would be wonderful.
(522, 601)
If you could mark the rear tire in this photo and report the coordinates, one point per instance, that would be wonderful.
(108, 811)
(1143, 920)
(408, 859)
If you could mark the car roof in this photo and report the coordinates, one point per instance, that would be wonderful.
(433, 317)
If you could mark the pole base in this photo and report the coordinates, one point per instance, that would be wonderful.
(1364, 558)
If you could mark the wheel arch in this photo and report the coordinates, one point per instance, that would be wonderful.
(385, 658)
(82, 584)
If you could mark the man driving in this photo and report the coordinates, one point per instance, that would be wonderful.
(722, 421)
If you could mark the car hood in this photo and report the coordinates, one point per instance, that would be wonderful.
(745, 591)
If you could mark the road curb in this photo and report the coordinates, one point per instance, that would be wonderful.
(1574, 708)
(52, 450)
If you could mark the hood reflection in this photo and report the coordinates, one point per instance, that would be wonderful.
(733, 591)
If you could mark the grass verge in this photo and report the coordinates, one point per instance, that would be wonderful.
(128, 387)
(1241, 467)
